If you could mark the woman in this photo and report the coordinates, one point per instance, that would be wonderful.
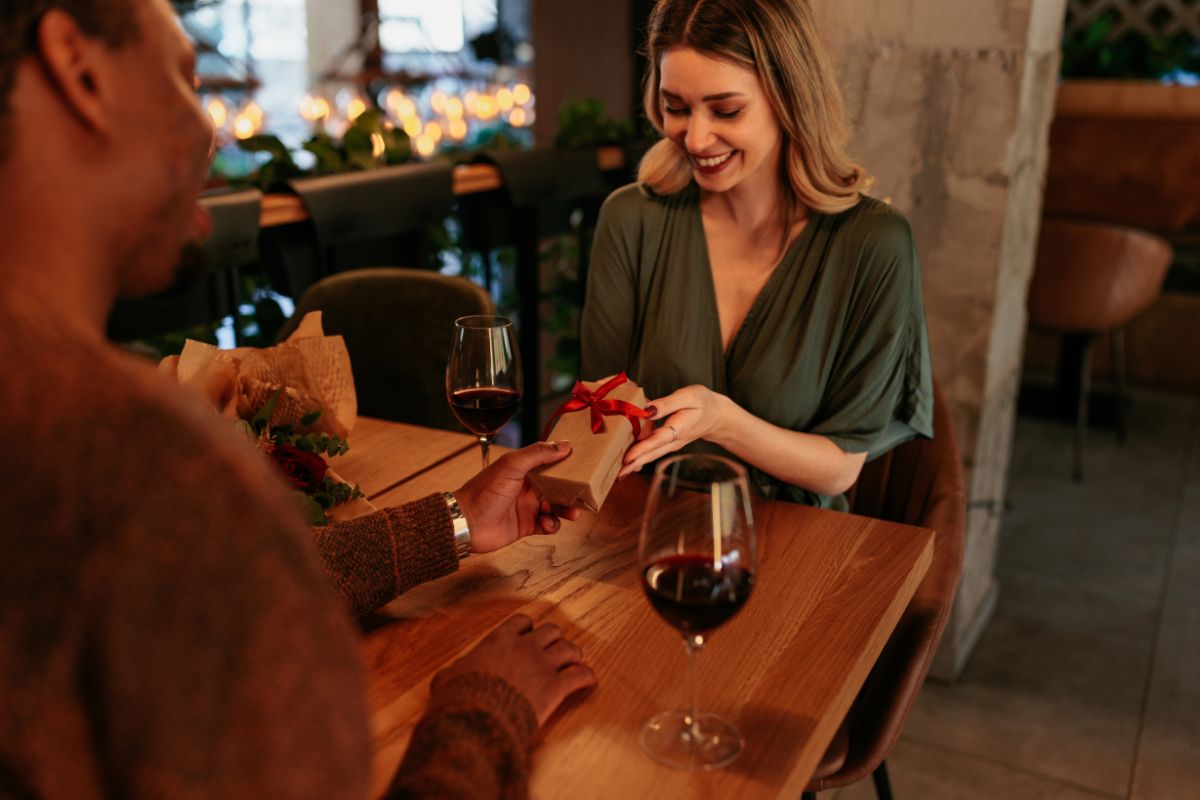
(744, 281)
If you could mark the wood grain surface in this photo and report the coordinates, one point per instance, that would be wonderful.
(384, 454)
(829, 590)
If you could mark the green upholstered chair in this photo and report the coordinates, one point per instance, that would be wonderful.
(397, 324)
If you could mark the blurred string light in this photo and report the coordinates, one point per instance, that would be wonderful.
(445, 114)
(233, 121)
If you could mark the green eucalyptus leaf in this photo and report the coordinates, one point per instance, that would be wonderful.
(310, 418)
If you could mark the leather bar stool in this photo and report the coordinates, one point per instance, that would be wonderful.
(1092, 279)
(545, 193)
(375, 218)
(918, 483)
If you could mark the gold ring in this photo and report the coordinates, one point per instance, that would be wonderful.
(674, 432)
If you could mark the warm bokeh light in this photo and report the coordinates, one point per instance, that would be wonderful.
(253, 111)
(504, 99)
(412, 126)
(471, 101)
(486, 107)
(314, 109)
(378, 145)
(243, 126)
(217, 112)
(517, 118)
(393, 98)
(437, 102)
(454, 108)
(425, 146)
(356, 108)
(457, 130)
(434, 132)
(521, 94)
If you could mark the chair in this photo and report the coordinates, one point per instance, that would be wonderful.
(208, 296)
(918, 483)
(373, 218)
(1092, 279)
(397, 324)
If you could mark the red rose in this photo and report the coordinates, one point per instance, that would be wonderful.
(304, 470)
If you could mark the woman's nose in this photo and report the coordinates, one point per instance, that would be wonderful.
(698, 134)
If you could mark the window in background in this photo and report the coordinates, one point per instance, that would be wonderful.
(416, 26)
(269, 38)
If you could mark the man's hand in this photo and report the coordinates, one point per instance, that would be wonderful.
(500, 504)
(537, 662)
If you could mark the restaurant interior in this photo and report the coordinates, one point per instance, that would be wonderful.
(397, 165)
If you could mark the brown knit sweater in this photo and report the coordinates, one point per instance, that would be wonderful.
(166, 627)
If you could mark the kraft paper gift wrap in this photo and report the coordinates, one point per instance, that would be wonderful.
(584, 478)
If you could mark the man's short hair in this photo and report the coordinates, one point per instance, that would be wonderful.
(110, 21)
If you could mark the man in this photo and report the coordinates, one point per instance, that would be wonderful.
(166, 627)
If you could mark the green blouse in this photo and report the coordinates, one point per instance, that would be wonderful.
(834, 344)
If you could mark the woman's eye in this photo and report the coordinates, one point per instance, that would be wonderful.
(727, 114)
(675, 112)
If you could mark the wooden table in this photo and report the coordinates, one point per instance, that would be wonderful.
(829, 590)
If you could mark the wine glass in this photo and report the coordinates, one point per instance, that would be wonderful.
(483, 376)
(698, 557)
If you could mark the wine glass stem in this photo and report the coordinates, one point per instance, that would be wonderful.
(692, 643)
(484, 441)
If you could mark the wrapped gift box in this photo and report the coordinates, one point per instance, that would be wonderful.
(599, 421)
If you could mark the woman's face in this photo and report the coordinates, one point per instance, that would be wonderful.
(720, 115)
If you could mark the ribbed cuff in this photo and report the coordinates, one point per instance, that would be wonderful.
(424, 541)
(490, 694)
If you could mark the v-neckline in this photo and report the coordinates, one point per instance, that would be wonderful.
(789, 251)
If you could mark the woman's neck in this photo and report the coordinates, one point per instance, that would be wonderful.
(753, 206)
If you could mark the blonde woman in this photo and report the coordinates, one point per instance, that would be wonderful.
(771, 309)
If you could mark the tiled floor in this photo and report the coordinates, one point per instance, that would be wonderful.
(1087, 682)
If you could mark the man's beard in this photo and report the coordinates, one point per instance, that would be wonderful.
(193, 264)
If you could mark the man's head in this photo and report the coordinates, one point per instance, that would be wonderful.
(110, 21)
(99, 115)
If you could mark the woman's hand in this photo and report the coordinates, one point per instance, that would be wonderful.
(691, 413)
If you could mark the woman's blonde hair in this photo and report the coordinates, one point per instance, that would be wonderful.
(777, 39)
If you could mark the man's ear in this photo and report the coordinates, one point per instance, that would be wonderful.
(71, 60)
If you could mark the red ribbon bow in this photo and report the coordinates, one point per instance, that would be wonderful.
(583, 397)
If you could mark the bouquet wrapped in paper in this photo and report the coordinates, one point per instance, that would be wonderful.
(296, 399)
(310, 371)
(601, 421)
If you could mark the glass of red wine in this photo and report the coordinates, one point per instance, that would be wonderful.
(483, 376)
(698, 556)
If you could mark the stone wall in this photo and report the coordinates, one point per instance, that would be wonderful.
(952, 102)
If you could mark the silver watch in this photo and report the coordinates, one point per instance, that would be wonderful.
(462, 533)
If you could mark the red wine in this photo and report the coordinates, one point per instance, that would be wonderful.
(486, 409)
(691, 595)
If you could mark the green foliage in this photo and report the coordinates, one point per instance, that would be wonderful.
(330, 492)
(586, 123)
(1093, 52)
(171, 344)
(355, 152)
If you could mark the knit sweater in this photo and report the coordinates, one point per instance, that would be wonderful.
(167, 626)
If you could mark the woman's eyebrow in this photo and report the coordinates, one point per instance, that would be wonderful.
(667, 93)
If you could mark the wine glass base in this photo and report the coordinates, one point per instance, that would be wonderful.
(711, 744)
